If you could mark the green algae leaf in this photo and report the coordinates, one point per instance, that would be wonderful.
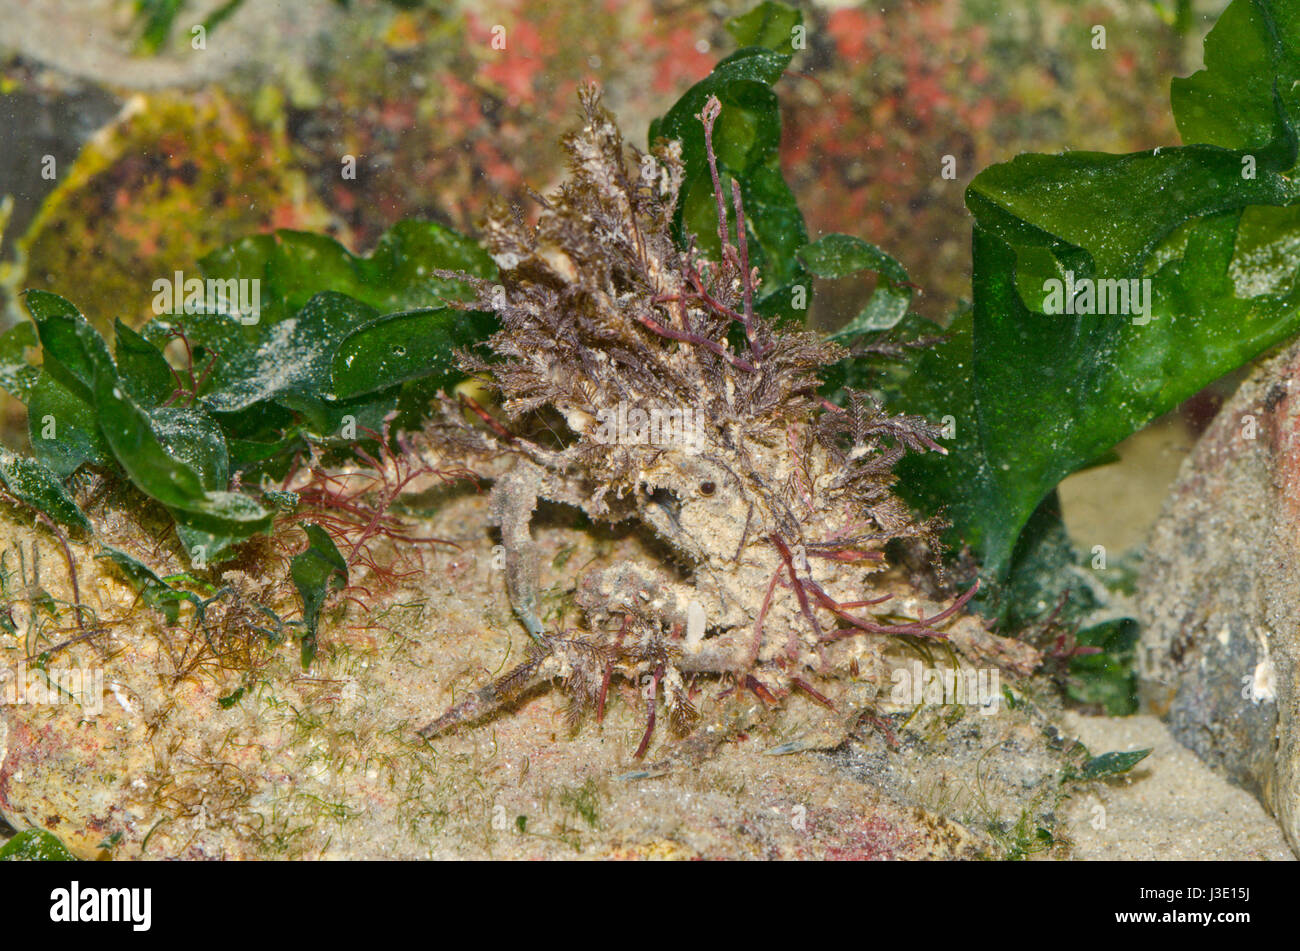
(841, 255)
(771, 25)
(399, 274)
(259, 392)
(232, 698)
(1107, 678)
(35, 845)
(1230, 103)
(270, 393)
(61, 417)
(155, 592)
(1102, 216)
(1039, 389)
(1113, 764)
(293, 358)
(56, 322)
(196, 439)
(17, 375)
(253, 457)
(746, 139)
(87, 407)
(137, 572)
(176, 457)
(142, 366)
(210, 530)
(239, 380)
(139, 449)
(887, 306)
(35, 485)
(316, 572)
(406, 346)
(209, 335)
(283, 501)
(341, 424)
(1265, 252)
(63, 427)
(1035, 398)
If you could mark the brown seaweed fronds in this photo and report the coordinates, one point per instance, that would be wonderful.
(865, 426)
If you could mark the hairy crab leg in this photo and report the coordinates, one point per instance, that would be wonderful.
(542, 666)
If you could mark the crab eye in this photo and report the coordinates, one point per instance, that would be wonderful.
(707, 488)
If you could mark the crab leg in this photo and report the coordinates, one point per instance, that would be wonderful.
(514, 499)
(542, 666)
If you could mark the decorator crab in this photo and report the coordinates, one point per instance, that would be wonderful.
(681, 407)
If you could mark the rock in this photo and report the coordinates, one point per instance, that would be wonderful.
(1219, 596)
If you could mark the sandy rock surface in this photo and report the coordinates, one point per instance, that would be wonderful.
(181, 754)
(1172, 806)
(326, 762)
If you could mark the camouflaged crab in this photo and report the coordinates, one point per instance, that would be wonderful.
(691, 413)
